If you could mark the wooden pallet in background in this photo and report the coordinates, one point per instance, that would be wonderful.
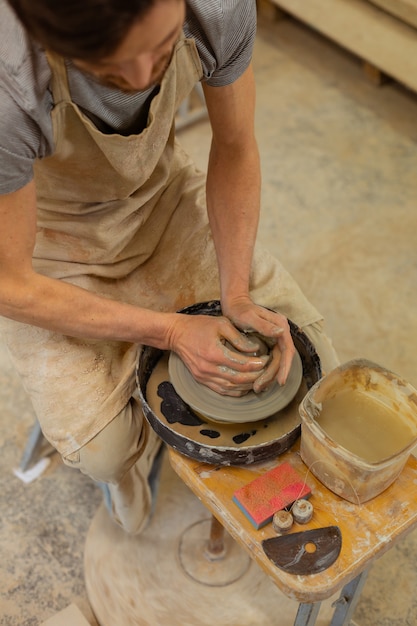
(386, 45)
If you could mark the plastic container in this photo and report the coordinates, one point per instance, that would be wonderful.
(358, 383)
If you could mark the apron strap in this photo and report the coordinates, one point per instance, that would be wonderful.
(59, 82)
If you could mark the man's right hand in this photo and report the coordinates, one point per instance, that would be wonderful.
(200, 341)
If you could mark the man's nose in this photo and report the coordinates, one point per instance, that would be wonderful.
(138, 72)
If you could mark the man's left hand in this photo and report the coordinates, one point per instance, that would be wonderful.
(250, 317)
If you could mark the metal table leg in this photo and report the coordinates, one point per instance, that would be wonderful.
(347, 601)
(32, 445)
(344, 606)
(307, 614)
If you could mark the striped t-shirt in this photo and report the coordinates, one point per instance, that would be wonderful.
(223, 30)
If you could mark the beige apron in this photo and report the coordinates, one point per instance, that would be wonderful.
(123, 216)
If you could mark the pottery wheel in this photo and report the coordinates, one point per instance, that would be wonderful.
(248, 408)
(191, 433)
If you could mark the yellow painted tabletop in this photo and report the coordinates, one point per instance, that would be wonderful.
(368, 530)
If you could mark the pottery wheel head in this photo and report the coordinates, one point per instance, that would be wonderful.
(248, 408)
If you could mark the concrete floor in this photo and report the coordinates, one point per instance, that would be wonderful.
(339, 191)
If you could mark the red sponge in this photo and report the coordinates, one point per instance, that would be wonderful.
(275, 490)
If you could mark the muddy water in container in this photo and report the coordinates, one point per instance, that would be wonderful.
(359, 425)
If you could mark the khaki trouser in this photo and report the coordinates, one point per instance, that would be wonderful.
(121, 456)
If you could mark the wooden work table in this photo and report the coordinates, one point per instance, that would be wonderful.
(368, 530)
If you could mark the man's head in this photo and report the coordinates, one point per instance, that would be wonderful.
(124, 43)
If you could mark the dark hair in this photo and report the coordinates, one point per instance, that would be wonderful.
(79, 29)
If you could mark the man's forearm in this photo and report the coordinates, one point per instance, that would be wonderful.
(70, 310)
(233, 201)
